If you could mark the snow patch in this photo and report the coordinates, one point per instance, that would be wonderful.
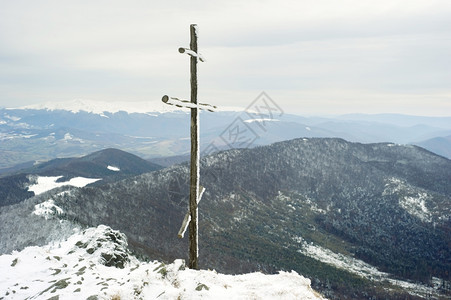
(411, 200)
(314, 207)
(12, 118)
(68, 137)
(360, 268)
(112, 168)
(47, 183)
(416, 206)
(260, 120)
(47, 209)
(340, 261)
(11, 136)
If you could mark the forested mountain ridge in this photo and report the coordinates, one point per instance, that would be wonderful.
(99, 163)
(265, 208)
(107, 165)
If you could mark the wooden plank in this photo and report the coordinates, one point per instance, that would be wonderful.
(187, 104)
(192, 53)
(187, 218)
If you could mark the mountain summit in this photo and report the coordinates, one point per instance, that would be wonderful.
(107, 165)
(96, 264)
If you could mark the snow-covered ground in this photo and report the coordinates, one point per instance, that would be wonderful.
(47, 209)
(341, 261)
(416, 206)
(95, 264)
(360, 268)
(413, 200)
(47, 183)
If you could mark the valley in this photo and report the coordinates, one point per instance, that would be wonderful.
(36, 134)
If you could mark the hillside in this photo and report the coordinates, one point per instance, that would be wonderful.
(103, 166)
(101, 163)
(439, 145)
(316, 206)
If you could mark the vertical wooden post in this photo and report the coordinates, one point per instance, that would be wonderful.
(194, 172)
(195, 190)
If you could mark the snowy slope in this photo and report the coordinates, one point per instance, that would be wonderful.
(362, 269)
(96, 262)
(47, 183)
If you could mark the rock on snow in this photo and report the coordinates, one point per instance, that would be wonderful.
(96, 264)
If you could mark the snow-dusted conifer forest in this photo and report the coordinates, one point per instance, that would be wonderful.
(357, 220)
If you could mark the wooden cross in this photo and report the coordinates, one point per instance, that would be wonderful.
(195, 190)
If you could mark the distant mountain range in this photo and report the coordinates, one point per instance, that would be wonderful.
(44, 132)
(439, 145)
(360, 220)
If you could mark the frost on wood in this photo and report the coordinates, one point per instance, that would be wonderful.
(194, 105)
(187, 104)
(192, 53)
(187, 218)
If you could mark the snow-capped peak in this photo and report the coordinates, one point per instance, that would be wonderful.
(100, 107)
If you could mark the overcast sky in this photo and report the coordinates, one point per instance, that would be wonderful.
(310, 56)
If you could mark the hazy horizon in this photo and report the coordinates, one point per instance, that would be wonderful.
(310, 57)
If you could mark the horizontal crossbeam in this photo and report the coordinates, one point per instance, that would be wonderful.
(192, 53)
(187, 104)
